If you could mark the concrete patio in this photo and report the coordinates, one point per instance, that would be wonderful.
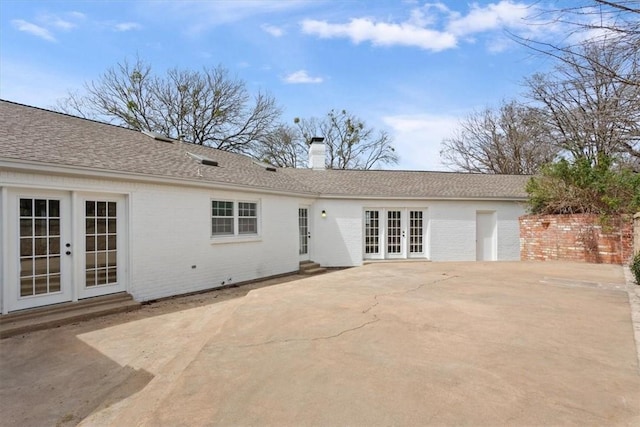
(410, 343)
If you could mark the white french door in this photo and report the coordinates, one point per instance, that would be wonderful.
(39, 233)
(394, 233)
(103, 231)
(62, 247)
(304, 233)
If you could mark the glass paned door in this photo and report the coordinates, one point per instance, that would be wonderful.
(395, 234)
(371, 232)
(303, 233)
(416, 232)
(39, 246)
(39, 270)
(102, 260)
(101, 247)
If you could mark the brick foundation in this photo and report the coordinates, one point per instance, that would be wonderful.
(580, 238)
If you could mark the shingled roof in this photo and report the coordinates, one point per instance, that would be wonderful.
(30, 134)
(51, 138)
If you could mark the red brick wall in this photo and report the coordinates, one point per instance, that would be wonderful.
(576, 238)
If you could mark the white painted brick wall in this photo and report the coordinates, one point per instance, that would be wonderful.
(170, 230)
(451, 229)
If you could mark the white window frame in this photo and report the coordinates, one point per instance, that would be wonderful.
(236, 236)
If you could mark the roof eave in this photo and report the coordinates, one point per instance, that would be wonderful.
(80, 171)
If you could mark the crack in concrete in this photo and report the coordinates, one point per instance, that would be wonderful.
(345, 331)
(328, 337)
(405, 291)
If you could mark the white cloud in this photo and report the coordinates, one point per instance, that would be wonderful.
(127, 26)
(417, 138)
(505, 14)
(273, 30)
(33, 29)
(301, 76)
(432, 26)
(381, 33)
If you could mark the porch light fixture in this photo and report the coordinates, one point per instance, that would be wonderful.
(323, 214)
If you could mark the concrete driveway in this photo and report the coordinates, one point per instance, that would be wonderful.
(410, 343)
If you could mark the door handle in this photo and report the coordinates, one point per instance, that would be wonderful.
(68, 252)
(308, 235)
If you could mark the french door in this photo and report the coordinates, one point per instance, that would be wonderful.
(304, 234)
(394, 233)
(42, 269)
(63, 246)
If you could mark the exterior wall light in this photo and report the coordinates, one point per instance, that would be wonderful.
(323, 214)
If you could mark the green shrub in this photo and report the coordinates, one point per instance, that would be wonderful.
(635, 267)
(584, 187)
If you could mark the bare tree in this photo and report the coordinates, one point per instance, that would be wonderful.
(283, 147)
(206, 107)
(509, 140)
(616, 22)
(350, 143)
(590, 112)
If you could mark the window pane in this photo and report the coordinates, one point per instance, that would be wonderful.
(26, 246)
(247, 225)
(91, 243)
(54, 208)
(222, 226)
(54, 227)
(112, 275)
(101, 244)
(54, 264)
(40, 266)
(101, 226)
(26, 227)
(54, 283)
(91, 278)
(91, 261)
(41, 285)
(111, 209)
(54, 245)
(40, 227)
(111, 226)
(26, 207)
(246, 209)
(101, 210)
(111, 242)
(26, 286)
(220, 208)
(90, 208)
(41, 246)
(40, 208)
(26, 267)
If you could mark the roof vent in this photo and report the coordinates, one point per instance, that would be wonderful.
(157, 136)
(202, 159)
(208, 162)
(265, 165)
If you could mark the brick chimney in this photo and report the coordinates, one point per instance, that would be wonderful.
(317, 153)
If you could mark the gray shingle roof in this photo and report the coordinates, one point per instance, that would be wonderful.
(412, 184)
(42, 136)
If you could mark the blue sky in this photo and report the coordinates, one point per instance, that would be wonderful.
(412, 68)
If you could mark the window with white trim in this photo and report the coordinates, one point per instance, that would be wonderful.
(230, 218)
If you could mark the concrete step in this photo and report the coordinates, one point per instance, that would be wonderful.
(60, 314)
(310, 268)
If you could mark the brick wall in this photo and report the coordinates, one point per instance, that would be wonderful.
(579, 238)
